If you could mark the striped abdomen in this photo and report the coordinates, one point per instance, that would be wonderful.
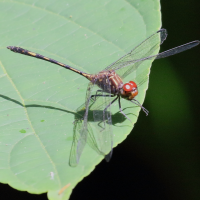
(36, 55)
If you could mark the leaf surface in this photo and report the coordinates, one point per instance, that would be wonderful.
(38, 100)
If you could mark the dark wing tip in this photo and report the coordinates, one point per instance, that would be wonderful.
(197, 42)
(109, 155)
(163, 35)
(193, 44)
(163, 30)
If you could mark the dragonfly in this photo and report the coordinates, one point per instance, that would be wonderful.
(107, 87)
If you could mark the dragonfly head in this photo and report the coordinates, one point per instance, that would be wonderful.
(129, 90)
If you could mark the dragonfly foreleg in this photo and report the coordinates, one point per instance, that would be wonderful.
(122, 111)
(143, 108)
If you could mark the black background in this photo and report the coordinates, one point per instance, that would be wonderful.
(149, 164)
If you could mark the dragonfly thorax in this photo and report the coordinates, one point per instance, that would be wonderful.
(108, 81)
(129, 90)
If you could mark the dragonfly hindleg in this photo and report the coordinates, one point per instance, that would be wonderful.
(93, 97)
(104, 111)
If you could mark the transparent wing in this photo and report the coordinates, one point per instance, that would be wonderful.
(100, 136)
(103, 119)
(125, 65)
(80, 131)
(145, 51)
(95, 127)
(74, 157)
(164, 54)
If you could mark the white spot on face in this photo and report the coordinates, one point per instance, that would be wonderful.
(128, 87)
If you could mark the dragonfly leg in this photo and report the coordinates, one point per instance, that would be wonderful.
(122, 111)
(76, 120)
(138, 104)
(96, 95)
(100, 95)
(110, 103)
(102, 127)
(106, 109)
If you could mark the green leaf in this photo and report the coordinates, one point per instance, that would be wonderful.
(39, 99)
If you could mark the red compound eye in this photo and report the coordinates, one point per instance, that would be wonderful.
(134, 85)
(127, 87)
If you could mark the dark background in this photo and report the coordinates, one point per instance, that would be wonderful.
(161, 157)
